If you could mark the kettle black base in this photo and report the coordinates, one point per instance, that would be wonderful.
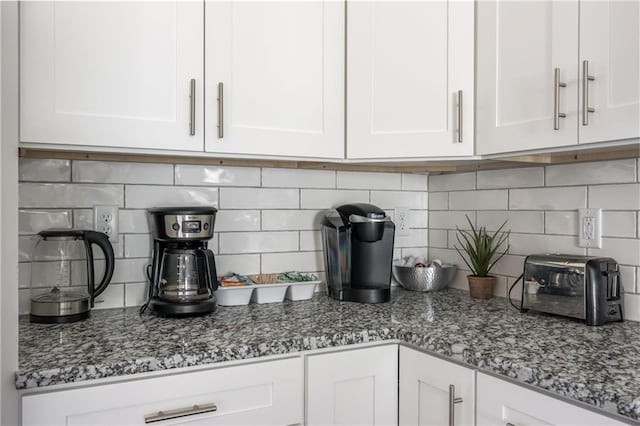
(362, 295)
(62, 319)
(164, 307)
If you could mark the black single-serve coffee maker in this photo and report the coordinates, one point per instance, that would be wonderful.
(358, 253)
(182, 275)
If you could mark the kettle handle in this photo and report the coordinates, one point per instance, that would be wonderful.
(102, 240)
(211, 269)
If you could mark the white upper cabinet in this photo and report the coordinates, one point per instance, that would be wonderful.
(521, 46)
(406, 64)
(610, 49)
(279, 68)
(112, 74)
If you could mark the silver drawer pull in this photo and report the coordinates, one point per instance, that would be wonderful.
(220, 110)
(557, 84)
(452, 401)
(459, 114)
(586, 78)
(180, 412)
(192, 107)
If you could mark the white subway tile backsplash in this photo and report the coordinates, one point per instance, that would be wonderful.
(112, 297)
(628, 278)
(328, 198)
(393, 199)
(418, 218)
(450, 219)
(618, 171)
(364, 180)
(148, 196)
(134, 221)
(618, 224)
(44, 170)
(561, 223)
(45, 195)
(137, 245)
(625, 251)
(452, 182)
(309, 261)
(244, 264)
(116, 172)
(237, 220)
(438, 201)
(24, 275)
(291, 220)
(135, 294)
(496, 199)
(258, 198)
(414, 182)
(615, 197)
(517, 221)
(83, 218)
(510, 266)
(34, 221)
(127, 270)
(526, 244)
(310, 240)
(548, 198)
(416, 238)
(523, 177)
(216, 175)
(632, 306)
(438, 238)
(258, 242)
(298, 178)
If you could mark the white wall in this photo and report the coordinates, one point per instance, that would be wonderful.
(540, 204)
(8, 215)
(268, 219)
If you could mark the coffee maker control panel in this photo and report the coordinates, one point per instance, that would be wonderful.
(189, 226)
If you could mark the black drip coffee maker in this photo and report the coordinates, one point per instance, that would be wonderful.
(182, 275)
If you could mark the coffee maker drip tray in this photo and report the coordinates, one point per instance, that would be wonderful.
(174, 308)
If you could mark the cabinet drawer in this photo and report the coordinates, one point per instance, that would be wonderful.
(262, 393)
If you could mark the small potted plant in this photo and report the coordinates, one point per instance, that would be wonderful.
(482, 252)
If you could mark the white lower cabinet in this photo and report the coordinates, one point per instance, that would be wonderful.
(434, 391)
(503, 403)
(267, 393)
(357, 387)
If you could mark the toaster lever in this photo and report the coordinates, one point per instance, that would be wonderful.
(613, 284)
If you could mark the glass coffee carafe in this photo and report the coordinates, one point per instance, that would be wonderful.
(185, 274)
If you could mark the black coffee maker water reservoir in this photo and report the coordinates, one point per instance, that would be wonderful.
(358, 253)
(182, 274)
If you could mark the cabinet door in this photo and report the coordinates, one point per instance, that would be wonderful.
(520, 44)
(357, 387)
(610, 45)
(265, 393)
(280, 69)
(503, 403)
(406, 62)
(426, 393)
(111, 74)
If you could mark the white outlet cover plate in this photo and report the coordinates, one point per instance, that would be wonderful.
(590, 228)
(105, 219)
(402, 221)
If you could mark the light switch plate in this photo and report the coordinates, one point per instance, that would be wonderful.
(590, 228)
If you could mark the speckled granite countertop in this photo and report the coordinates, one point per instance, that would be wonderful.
(596, 365)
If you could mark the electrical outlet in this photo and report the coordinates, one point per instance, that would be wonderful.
(402, 221)
(590, 228)
(105, 219)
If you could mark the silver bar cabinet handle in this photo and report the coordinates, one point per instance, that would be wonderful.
(459, 116)
(557, 115)
(452, 401)
(220, 110)
(180, 412)
(192, 108)
(586, 78)
(509, 424)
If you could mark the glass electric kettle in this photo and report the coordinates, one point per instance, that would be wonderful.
(63, 270)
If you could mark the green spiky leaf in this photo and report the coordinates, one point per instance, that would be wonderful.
(480, 250)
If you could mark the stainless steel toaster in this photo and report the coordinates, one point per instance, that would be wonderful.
(582, 287)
